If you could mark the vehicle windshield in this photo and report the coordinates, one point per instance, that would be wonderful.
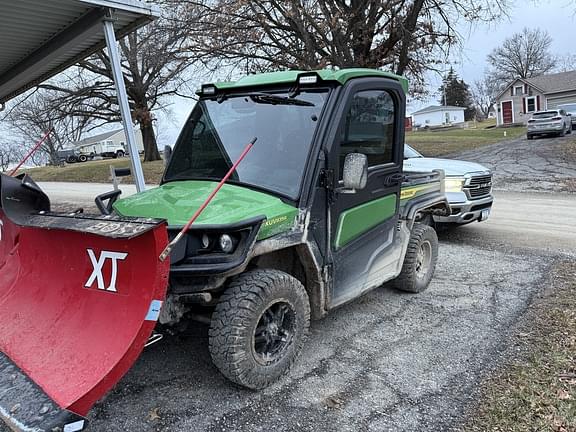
(571, 108)
(410, 153)
(545, 115)
(218, 130)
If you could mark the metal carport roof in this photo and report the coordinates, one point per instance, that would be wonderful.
(40, 38)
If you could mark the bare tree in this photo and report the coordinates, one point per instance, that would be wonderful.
(10, 154)
(484, 94)
(153, 62)
(523, 55)
(566, 63)
(35, 114)
(408, 37)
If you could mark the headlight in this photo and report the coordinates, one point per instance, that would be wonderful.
(453, 184)
(226, 243)
(205, 241)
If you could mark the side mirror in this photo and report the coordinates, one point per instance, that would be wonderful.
(355, 173)
(167, 154)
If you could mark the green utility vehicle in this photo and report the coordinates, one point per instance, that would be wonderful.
(317, 214)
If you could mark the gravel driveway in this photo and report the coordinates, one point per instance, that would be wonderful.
(388, 361)
(538, 165)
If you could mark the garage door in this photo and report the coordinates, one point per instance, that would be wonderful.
(553, 102)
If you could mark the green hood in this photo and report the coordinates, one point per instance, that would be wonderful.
(177, 201)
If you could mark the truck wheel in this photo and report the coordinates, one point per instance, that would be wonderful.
(420, 260)
(82, 158)
(119, 154)
(259, 327)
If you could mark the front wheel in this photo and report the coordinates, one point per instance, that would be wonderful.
(259, 327)
(420, 260)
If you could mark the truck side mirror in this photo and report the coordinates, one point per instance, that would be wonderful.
(167, 154)
(355, 173)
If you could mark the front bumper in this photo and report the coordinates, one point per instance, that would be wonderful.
(466, 211)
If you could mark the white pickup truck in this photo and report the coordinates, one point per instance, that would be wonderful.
(468, 186)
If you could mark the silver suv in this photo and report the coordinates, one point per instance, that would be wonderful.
(555, 121)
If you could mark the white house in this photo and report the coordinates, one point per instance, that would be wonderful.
(437, 116)
(112, 143)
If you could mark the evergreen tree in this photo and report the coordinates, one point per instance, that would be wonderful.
(455, 92)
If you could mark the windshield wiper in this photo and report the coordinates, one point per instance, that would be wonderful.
(266, 98)
(278, 100)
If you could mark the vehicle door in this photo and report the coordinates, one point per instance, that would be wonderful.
(370, 120)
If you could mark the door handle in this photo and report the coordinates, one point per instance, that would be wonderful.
(393, 179)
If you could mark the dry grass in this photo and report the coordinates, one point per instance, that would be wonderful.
(445, 142)
(94, 171)
(538, 391)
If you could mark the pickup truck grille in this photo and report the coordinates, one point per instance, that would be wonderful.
(479, 186)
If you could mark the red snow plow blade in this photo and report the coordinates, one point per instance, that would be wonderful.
(79, 298)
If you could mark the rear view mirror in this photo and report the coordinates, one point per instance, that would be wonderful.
(355, 173)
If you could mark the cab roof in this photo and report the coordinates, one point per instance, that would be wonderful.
(291, 76)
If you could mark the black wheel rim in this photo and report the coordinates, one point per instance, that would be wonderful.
(274, 333)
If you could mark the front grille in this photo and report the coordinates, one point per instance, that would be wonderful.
(479, 186)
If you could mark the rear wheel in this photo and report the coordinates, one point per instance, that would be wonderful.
(259, 327)
(420, 260)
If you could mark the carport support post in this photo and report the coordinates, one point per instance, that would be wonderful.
(112, 45)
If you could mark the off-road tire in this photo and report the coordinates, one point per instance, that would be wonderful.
(235, 320)
(410, 278)
(82, 158)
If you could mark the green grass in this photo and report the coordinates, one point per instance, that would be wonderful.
(94, 171)
(445, 142)
(537, 392)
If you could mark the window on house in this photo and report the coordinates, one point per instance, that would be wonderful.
(531, 104)
(519, 90)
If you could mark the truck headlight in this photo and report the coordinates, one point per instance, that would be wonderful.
(453, 184)
(226, 243)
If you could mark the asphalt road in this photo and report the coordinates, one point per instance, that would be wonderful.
(388, 361)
